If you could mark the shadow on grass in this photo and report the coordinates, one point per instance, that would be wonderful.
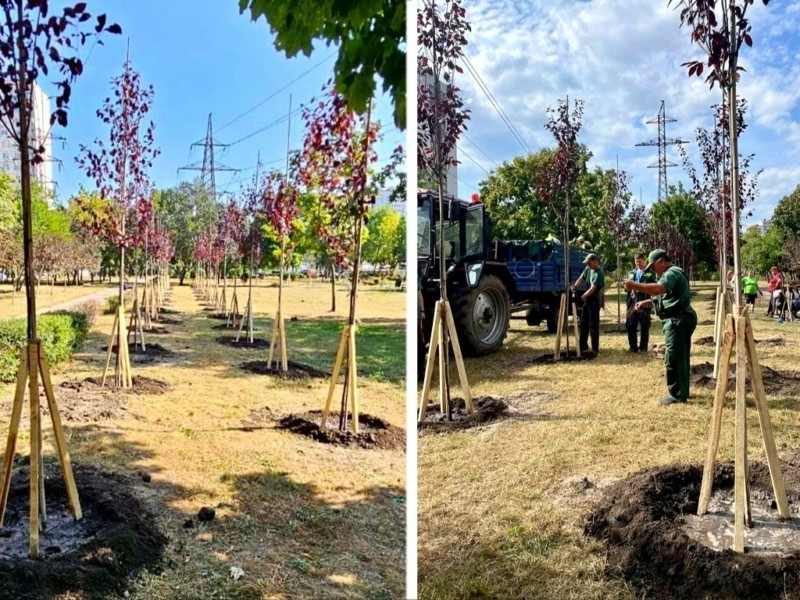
(318, 546)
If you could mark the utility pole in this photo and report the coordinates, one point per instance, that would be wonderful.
(209, 168)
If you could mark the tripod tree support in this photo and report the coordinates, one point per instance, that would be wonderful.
(278, 342)
(33, 364)
(443, 335)
(119, 334)
(738, 331)
(345, 356)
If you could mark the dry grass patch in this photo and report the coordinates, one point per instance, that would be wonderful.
(299, 518)
(523, 488)
(13, 304)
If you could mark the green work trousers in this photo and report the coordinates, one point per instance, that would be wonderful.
(678, 332)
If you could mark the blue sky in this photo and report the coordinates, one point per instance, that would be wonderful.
(201, 56)
(622, 57)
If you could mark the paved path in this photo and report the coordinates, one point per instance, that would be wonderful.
(70, 304)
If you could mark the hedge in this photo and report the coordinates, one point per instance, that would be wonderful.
(61, 333)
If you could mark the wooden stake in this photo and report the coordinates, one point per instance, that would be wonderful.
(766, 425)
(11, 443)
(114, 332)
(282, 335)
(559, 328)
(337, 365)
(61, 441)
(462, 371)
(716, 418)
(740, 450)
(436, 332)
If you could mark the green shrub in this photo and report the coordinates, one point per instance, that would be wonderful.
(61, 333)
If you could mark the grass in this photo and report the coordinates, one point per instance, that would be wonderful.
(299, 518)
(12, 304)
(500, 514)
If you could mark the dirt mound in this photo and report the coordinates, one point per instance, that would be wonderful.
(141, 385)
(156, 331)
(169, 320)
(91, 558)
(296, 370)
(230, 340)
(642, 522)
(779, 383)
(565, 357)
(487, 409)
(374, 431)
(152, 353)
(168, 311)
(148, 386)
(706, 340)
(706, 322)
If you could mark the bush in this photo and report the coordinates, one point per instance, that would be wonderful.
(61, 333)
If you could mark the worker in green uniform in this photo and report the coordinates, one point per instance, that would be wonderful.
(638, 319)
(594, 276)
(750, 289)
(673, 306)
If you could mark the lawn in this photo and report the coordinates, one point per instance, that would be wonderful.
(502, 507)
(301, 519)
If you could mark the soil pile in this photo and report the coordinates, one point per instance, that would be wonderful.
(779, 383)
(486, 410)
(230, 340)
(296, 370)
(642, 521)
(374, 432)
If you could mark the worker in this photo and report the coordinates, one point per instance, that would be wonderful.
(592, 298)
(673, 306)
(638, 319)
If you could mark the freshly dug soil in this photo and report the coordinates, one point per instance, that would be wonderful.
(90, 558)
(641, 520)
(708, 340)
(142, 385)
(487, 409)
(707, 321)
(572, 356)
(157, 331)
(168, 311)
(148, 386)
(296, 370)
(217, 315)
(153, 352)
(230, 340)
(779, 383)
(373, 433)
(169, 320)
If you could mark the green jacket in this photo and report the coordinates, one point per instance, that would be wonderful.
(647, 277)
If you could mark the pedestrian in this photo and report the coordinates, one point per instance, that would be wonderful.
(594, 276)
(751, 290)
(775, 289)
(673, 306)
(638, 319)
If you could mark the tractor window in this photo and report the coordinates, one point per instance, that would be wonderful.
(424, 230)
(473, 224)
(452, 246)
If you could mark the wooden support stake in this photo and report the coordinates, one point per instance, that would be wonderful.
(282, 335)
(442, 363)
(61, 440)
(740, 450)
(275, 340)
(13, 430)
(436, 332)
(337, 365)
(462, 370)
(766, 425)
(114, 332)
(716, 418)
(559, 328)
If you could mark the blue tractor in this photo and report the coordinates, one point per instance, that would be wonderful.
(488, 281)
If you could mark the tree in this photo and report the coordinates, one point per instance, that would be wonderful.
(786, 215)
(120, 171)
(681, 211)
(186, 211)
(31, 45)
(385, 229)
(9, 201)
(370, 35)
(761, 251)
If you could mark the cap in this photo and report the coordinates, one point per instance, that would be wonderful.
(654, 256)
(591, 256)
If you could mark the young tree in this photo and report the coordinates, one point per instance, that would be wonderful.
(33, 45)
(441, 118)
(119, 168)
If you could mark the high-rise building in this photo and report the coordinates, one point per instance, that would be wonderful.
(39, 135)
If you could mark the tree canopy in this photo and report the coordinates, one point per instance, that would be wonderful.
(370, 34)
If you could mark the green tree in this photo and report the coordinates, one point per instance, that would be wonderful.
(681, 211)
(370, 35)
(761, 251)
(786, 215)
(186, 212)
(9, 199)
(385, 227)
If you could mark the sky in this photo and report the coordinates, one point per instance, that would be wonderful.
(622, 58)
(201, 57)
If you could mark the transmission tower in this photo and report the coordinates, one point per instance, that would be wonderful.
(662, 142)
(209, 169)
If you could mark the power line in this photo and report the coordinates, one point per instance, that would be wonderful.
(271, 96)
(477, 164)
(495, 104)
(479, 149)
(267, 126)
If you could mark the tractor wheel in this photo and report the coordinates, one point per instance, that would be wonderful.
(481, 315)
(552, 320)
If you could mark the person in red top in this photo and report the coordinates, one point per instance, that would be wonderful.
(775, 284)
